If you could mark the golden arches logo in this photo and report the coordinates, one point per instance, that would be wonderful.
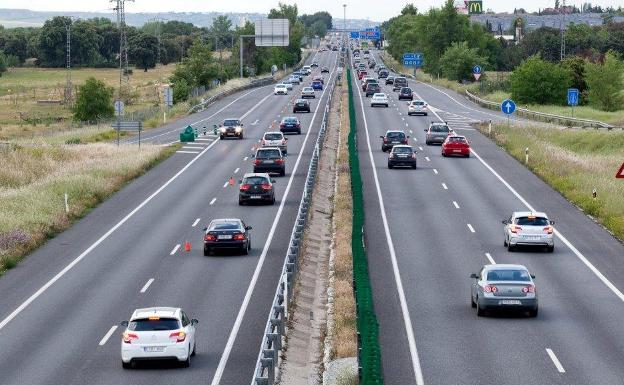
(475, 7)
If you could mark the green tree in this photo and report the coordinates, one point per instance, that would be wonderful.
(221, 30)
(319, 28)
(52, 42)
(409, 9)
(94, 101)
(544, 41)
(181, 90)
(3, 63)
(605, 83)
(575, 66)
(537, 81)
(458, 61)
(143, 50)
(197, 69)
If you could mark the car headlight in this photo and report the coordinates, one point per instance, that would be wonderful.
(238, 129)
(222, 129)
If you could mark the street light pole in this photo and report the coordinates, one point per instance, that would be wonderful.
(344, 21)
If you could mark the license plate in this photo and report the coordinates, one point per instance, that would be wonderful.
(456, 150)
(531, 238)
(269, 161)
(256, 197)
(154, 349)
(509, 302)
(402, 156)
(226, 236)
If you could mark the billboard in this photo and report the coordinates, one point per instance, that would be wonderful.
(271, 33)
(475, 7)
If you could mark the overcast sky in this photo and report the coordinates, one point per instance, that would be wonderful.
(376, 10)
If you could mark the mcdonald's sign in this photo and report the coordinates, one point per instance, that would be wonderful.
(475, 7)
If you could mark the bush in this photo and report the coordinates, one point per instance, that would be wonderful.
(537, 81)
(3, 63)
(458, 61)
(94, 102)
(605, 83)
(181, 89)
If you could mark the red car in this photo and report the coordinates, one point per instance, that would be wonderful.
(456, 145)
(361, 74)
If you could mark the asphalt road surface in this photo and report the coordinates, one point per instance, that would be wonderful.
(428, 229)
(60, 308)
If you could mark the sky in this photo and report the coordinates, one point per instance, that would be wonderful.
(375, 10)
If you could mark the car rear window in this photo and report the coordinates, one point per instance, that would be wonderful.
(418, 103)
(406, 90)
(402, 150)
(379, 95)
(231, 122)
(290, 120)
(316, 82)
(156, 323)
(225, 226)
(439, 128)
(255, 180)
(457, 139)
(308, 89)
(508, 275)
(532, 221)
(395, 135)
(268, 154)
(272, 136)
(400, 80)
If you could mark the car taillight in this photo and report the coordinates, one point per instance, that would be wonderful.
(239, 237)
(245, 187)
(528, 289)
(177, 336)
(129, 337)
(515, 229)
(385, 140)
(210, 237)
(490, 289)
(266, 186)
(404, 141)
(548, 229)
(413, 155)
(283, 141)
(256, 162)
(279, 161)
(263, 142)
(298, 125)
(282, 125)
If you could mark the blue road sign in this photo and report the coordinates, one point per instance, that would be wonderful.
(370, 33)
(508, 106)
(573, 97)
(355, 35)
(476, 69)
(413, 59)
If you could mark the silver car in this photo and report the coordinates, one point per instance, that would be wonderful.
(308, 92)
(437, 133)
(417, 107)
(508, 287)
(526, 228)
(275, 139)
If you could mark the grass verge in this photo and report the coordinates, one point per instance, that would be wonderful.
(34, 180)
(574, 162)
(344, 342)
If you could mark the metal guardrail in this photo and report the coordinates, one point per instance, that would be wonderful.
(542, 116)
(275, 330)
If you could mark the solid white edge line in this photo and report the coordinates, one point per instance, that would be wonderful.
(108, 335)
(409, 329)
(175, 249)
(73, 263)
(252, 284)
(187, 152)
(472, 230)
(455, 204)
(489, 257)
(245, 158)
(213, 201)
(555, 360)
(196, 222)
(147, 285)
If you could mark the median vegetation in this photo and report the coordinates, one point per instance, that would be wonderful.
(574, 162)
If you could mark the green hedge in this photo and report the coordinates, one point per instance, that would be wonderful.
(369, 353)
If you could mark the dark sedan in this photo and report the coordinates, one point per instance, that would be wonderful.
(406, 94)
(390, 80)
(231, 234)
(392, 138)
(402, 156)
(372, 89)
(256, 187)
(301, 105)
(290, 124)
(269, 159)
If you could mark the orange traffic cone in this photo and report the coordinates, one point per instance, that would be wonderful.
(187, 246)
(231, 181)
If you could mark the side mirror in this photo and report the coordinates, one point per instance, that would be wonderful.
(253, 155)
(205, 229)
(381, 136)
(532, 276)
(194, 321)
(124, 323)
(408, 137)
(552, 222)
(248, 227)
(474, 275)
(273, 181)
(240, 181)
(505, 221)
(425, 130)
(242, 124)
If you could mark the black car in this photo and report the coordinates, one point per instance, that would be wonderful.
(228, 233)
(301, 105)
(406, 94)
(314, 64)
(269, 159)
(392, 138)
(399, 82)
(231, 128)
(390, 80)
(256, 188)
(383, 74)
(325, 70)
(290, 124)
(372, 88)
(402, 155)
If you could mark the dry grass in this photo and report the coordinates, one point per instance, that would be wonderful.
(35, 177)
(344, 342)
(574, 162)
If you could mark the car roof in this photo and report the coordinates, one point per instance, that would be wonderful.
(529, 213)
(280, 85)
(439, 124)
(380, 94)
(225, 220)
(237, 119)
(161, 311)
(307, 88)
(505, 266)
(273, 132)
(401, 131)
(402, 146)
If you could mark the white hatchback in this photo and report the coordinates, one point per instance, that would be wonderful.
(275, 139)
(379, 99)
(158, 333)
(280, 89)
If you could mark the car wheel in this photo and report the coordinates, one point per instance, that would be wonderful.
(480, 311)
(414, 166)
(510, 247)
(126, 365)
(273, 201)
(283, 173)
(298, 132)
(425, 114)
(428, 143)
(472, 302)
(241, 136)
(241, 202)
(390, 166)
(443, 154)
(550, 249)
(221, 137)
(206, 252)
(186, 363)
(533, 313)
(245, 250)
(194, 349)
(468, 155)
(505, 242)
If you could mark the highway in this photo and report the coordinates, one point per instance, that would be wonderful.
(427, 229)
(61, 307)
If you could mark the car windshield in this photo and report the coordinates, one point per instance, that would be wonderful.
(268, 154)
(439, 128)
(402, 150)
(255, 180)
(230, 122)
(508, 275)
(225, 226)
(531, 221)
(395, 135)
(273, 136)
(156, 323)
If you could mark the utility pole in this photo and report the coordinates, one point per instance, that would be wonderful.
(562, 11)
(344, 22)
(123, 54)
(68, 86)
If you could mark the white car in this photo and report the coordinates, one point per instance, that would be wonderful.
(307, 69)
(417, 107)
(275, 139)
(158, 333)
(280, 89)
(527, 228)
(288, 84)
(308, 92)
(294, 80)
(379, 99)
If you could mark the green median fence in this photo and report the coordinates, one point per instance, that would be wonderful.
(369, 352)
